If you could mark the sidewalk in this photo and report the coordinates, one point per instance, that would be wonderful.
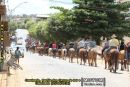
(3, 77)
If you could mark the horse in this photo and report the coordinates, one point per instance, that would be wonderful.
(60, 53)
(50, 52)
(45, 51)
(122, 59)
(106, 57)
(114, 56)
(83, 55)
(92, 57)
(64, 53)
(71, 54)
(54, 51)
(40, 50)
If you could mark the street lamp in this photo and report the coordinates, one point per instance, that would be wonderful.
(12, 10)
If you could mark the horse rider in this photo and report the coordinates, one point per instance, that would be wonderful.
(106, 46)
(113, 43)
(54, 48)
(46, 47)
(60, 45)
(71, 45)
(86, 43)
(127, 51)
(81, 44)
(50, 45)
(92, 43)
(122, 45)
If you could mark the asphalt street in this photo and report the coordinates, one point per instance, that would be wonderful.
(44, 67)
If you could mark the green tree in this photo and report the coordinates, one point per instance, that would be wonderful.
(61, 25)
(101, 17)
(13, 25)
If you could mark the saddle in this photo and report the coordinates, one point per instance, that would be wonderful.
(71, 49)
(82, 49)
(113, 49)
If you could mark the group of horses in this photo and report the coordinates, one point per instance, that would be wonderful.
(112, 59)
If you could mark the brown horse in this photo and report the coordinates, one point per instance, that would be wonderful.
(71, 54)
(45, 50)
(106, 57)
(59, 53)
(114, 56)
(122, 59)
(40, 50)
(82, 55)
(92, 57)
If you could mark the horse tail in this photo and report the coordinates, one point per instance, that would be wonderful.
(114, 59)
(84, 57)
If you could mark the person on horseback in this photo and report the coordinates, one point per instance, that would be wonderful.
(127, 50)
(81, 44)
(122, 45)
(86, 43)
(92, 43)
(113, 43)
(50, 44)
(71, 45)
(54, 48)
(106, 46)
(46, 47)
(60, 45)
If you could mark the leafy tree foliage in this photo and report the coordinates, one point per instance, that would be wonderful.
(101, 17)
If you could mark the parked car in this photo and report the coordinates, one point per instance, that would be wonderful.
(21, 48)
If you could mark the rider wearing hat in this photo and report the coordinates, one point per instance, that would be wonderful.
(113, 43)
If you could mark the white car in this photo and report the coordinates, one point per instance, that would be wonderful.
(21, 48)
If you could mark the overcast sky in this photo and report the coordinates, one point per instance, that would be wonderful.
(35, 6)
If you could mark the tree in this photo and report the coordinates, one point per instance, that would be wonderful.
(12, 26)
(61, 25)
(101, 17)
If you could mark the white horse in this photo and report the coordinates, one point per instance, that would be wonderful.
(50, 53)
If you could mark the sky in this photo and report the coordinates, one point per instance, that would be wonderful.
(35, 6)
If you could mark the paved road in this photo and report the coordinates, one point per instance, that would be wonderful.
(43, 67)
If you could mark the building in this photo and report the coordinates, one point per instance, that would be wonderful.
(42, 16)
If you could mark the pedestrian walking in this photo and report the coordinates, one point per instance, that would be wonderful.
(17, 54)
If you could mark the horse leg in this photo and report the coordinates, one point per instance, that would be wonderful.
(81, 60)
(122, 68)
(64, 55)
(105, 64)
(128, 65)
(84, 59)
(77, 60)
(115, 61)
(95, 62)
(110, 65)
(89, 61)
(71, 59)
(125, 63)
